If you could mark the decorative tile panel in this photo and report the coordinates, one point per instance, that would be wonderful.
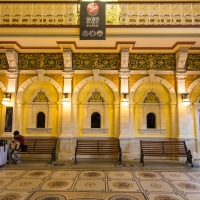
(41, 61)
(193, 62)
(96, 61)
(152, 61)
(3, 61)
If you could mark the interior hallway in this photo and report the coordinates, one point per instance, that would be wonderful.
(100, 180)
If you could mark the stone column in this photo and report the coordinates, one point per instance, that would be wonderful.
(67, 88)
(183, 112)
(12, 73)
(117, 121)
(124, 74)
(66, 115)
(19, 110)
(174, 120)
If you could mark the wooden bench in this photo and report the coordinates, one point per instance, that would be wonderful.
(92, 147)
(165, 148)
(41, 146)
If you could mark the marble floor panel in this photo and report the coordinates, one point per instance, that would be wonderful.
(120, 175)
(175, 175)
(65, 181)
(147, 175)
(56, 184)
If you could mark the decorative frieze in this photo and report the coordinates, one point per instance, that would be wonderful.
(96, 61)
(193, 62)
(3, 61)
(47, 61)
(152, 61)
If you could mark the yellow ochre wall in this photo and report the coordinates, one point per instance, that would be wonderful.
(53, 97)
(163, 95)
(107, 95)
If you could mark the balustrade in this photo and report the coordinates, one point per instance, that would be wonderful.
(117, 13)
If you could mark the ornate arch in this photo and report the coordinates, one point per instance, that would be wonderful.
(31, 80)
(2, 86)
(164, 82)
(192, 85)
(101, 79)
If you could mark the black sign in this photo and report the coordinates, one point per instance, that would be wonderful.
(92, 21)
(8, 119)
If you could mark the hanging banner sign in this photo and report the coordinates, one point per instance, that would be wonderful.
(92, 21)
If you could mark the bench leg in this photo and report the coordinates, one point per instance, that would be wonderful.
(189, 158)
(75, 160)
(142, 159)
(53, 155)
(189, 161)
(120, 159)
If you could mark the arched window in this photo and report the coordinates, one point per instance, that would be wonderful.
(40, 120)
(96, 120)
(151, 120)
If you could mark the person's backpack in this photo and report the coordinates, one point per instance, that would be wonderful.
(3, 143)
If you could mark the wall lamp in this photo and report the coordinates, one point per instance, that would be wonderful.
(7, 99)
(185, 100)
(125, 100)
(65, 100)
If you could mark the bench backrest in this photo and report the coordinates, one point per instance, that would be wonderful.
(175, 147)
(98, 146)
(163, 147)
(40, 145)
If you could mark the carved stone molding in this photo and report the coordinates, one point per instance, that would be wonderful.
(12, 58)
(39, 130)
(67, 57)
(181, 57)
(95, 130)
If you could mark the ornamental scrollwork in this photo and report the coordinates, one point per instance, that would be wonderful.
(3, 61)
(41, 61)
(152, 61)
(96, 61)
(151, 98)
(96, 97)
(193, 62)
(41, 97)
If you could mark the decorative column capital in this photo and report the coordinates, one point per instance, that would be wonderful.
(67, 74)
(181, 76)
(67, 57)
(181, 57)
(124, 71)
(12, 58)
(12, 75)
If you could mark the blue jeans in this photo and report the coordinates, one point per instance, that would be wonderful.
(14, 153)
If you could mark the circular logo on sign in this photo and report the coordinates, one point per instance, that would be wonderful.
(99, 33)
(92, 9)
(85, 33)
(92, 33)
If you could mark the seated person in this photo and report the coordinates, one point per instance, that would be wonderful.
(14, 147)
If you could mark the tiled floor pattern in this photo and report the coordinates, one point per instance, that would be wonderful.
(57, 183)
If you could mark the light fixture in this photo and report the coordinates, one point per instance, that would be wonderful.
(7, 99)
(185, 100)
(65, 100)
(125, 101)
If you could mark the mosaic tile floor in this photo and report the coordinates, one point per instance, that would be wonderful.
(38, 180)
